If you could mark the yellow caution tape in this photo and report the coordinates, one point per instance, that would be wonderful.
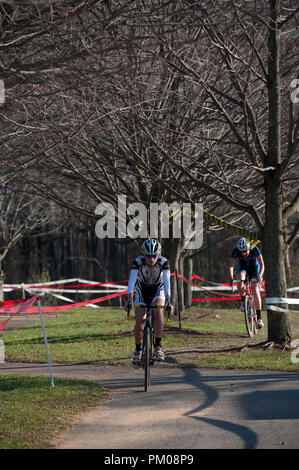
(250, 236)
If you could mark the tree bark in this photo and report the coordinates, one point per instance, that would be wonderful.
(172, 251)
(188, 263)
(1, 286)
(274, 251)
(273, 237)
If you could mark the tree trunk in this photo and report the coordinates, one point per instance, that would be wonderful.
(1, 286)
(288, 268)
(187, 287)
(274, 251)
(172, 250)
(181, 284)
(273, 237)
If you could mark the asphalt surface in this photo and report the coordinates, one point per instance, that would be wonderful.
(183, 409)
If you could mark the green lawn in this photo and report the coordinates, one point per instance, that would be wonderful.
(84, 335)
(207, 338)
(32, 412)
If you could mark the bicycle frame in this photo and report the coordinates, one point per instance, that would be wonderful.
(148, 342)
(147, 346)
(249, 307)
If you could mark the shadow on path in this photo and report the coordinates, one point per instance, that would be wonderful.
(193, 377)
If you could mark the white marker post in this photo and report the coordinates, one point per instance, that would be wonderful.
(46, 342)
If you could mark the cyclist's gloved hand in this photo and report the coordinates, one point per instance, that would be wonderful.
(168, 308)
(129, 303)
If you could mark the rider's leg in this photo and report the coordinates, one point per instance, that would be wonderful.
(257, 304)
(159, 321)
(158, 317)
(241, 286)
(256, 296)
(138, 332)
(138, 328)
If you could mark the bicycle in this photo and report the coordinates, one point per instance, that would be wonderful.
(249, 307)
(147, 357)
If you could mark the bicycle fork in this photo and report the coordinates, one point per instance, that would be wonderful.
(148, 345)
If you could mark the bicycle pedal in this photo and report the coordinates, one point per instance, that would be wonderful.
(136, 364)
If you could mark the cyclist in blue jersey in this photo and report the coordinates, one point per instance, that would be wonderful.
(250, 261)
(152, 287)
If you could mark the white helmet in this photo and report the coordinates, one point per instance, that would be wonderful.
(243, 245)
(151, 247)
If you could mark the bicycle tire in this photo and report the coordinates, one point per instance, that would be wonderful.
(146, 358)
(248, 317)
(254, 320)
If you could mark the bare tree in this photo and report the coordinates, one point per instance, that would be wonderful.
(161, 101)
(21, 216)
(251, 123)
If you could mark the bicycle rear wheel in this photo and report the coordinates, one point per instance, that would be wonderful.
(253, 320)
(146, 357)
(248, 318)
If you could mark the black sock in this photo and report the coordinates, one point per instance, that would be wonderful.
(138, 347)
(157, 342)
(243, 298)
(259, 314)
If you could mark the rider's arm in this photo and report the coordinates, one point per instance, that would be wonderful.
(262, 266)
(260, 261)
(166, 280)
(132, 281)
(231, 266)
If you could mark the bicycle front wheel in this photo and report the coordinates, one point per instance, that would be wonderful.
(248, 318)
(253, 320)
(146, 358)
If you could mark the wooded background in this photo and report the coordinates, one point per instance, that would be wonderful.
(163, 101)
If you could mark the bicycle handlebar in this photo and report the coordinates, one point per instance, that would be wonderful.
(238, 281)
(166, 307)
(147, 306)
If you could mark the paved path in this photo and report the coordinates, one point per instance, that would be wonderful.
(184, 408)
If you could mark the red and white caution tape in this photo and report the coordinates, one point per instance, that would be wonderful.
(62, 297)
(75, 305)
(116, 289)
(56, 284)
(281, 300)
(72, 291)
(214, 299)
(7, 307)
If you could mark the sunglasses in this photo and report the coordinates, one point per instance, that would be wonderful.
(151, 256)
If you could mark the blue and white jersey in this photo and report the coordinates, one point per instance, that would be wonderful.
(246, 262)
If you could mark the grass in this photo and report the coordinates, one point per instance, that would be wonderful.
(207, 338)
(80, 336)
(48, 410)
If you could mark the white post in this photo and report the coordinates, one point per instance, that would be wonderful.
(2, 351)
(46, 342)
(1, 286)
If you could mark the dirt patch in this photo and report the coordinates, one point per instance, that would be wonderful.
(205, 314)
